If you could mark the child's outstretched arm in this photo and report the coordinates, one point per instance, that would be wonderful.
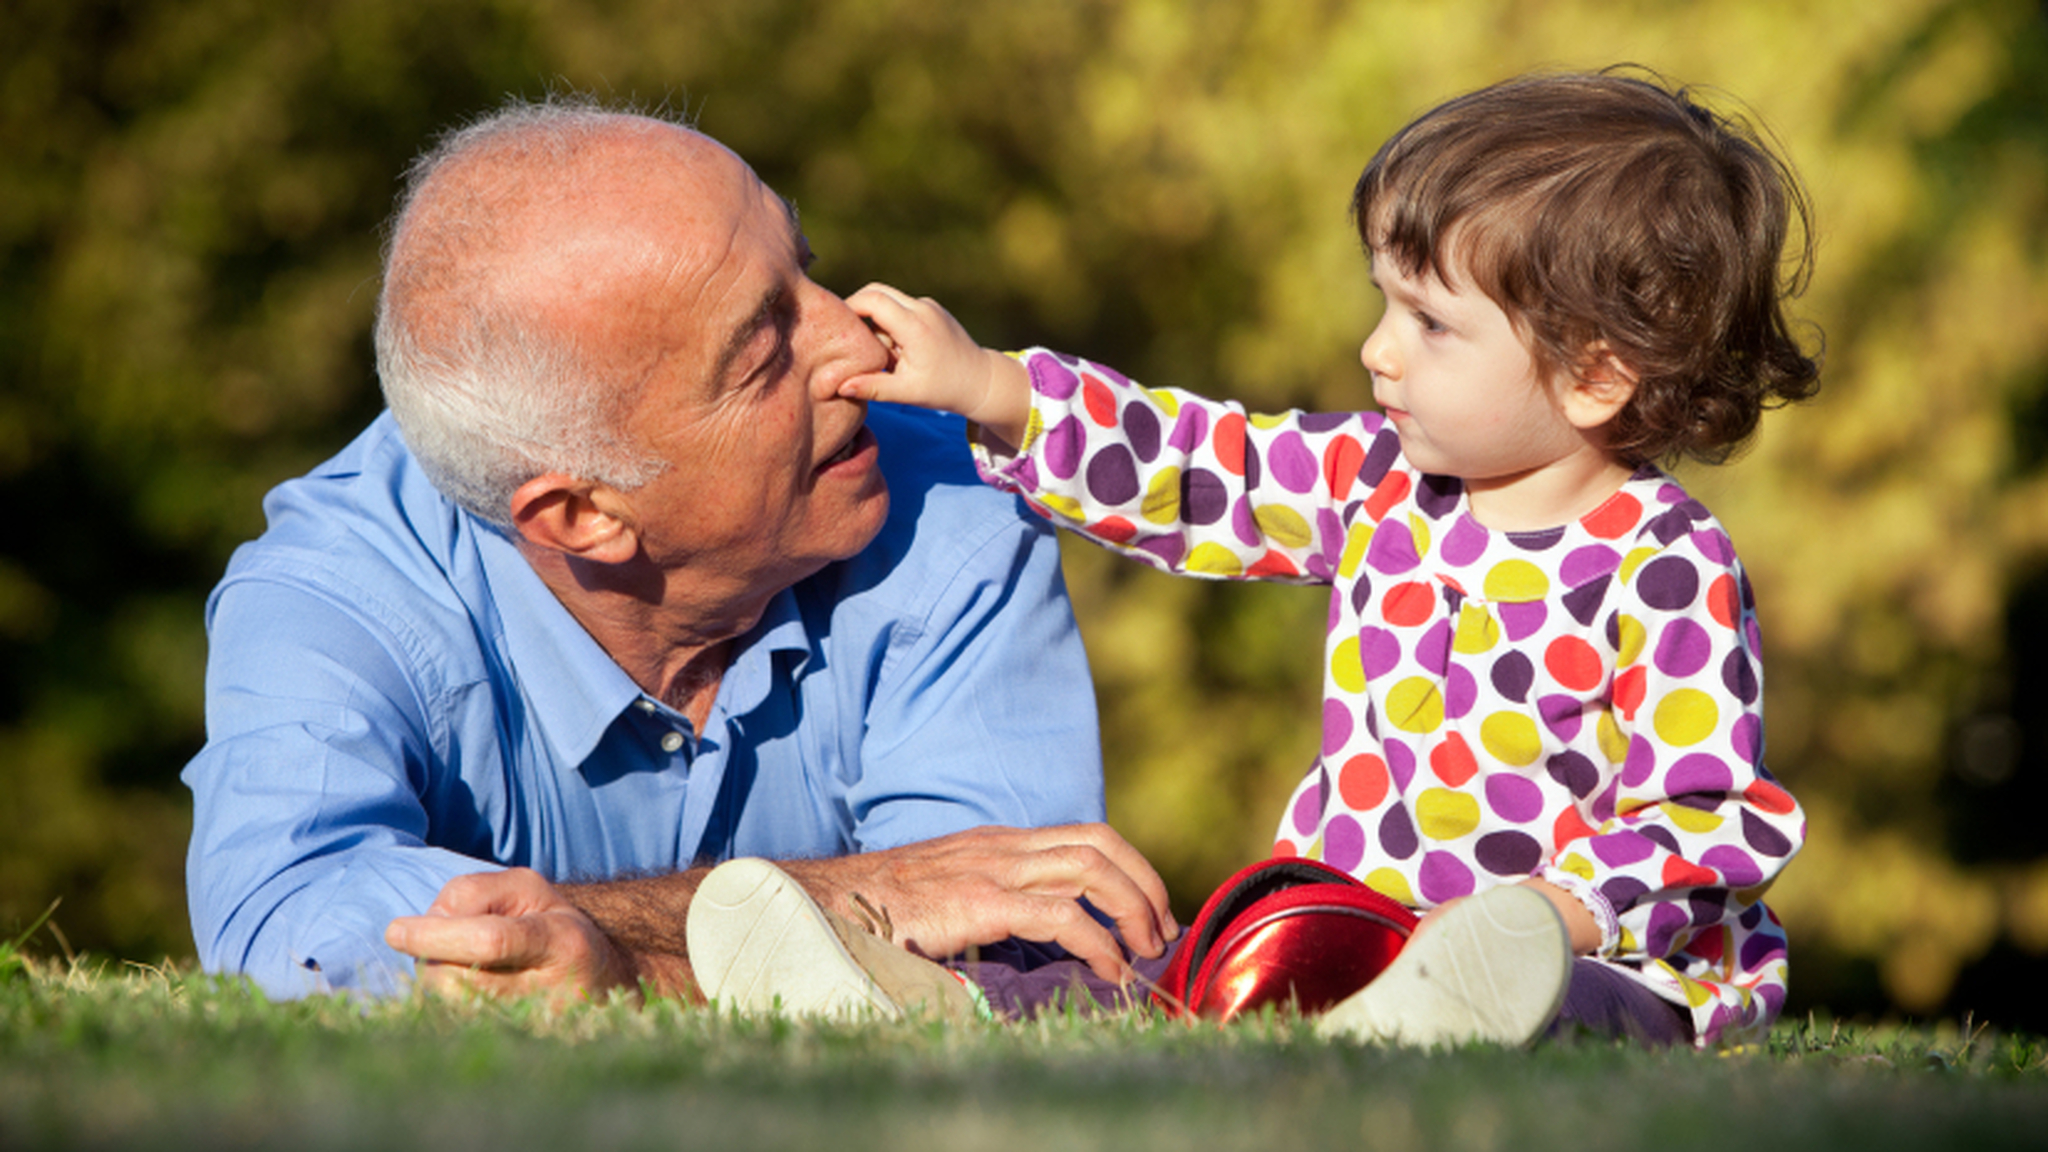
(936, 364)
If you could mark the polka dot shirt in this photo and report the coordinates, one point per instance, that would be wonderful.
(1581, 704)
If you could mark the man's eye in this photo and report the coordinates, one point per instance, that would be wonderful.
(779, 335)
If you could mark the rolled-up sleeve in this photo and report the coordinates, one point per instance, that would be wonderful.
(309, 833)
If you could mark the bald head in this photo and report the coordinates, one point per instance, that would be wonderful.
(500, 346)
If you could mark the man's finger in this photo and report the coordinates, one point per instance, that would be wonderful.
(504, 893)
(1077, 871)
(450, 980)
(1132, 864)
(1086, 940)
(1092, 861)
(490, 942)
(457, 981)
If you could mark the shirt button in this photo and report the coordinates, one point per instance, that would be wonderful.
(672, 742)
(645, 705)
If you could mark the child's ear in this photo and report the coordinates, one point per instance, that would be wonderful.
(1601, 385)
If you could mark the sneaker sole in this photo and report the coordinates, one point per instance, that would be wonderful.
(1494, 969)
(760, 945)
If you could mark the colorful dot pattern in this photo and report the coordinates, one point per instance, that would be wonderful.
(1582, 703)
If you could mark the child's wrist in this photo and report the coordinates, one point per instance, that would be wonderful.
(1005, 406)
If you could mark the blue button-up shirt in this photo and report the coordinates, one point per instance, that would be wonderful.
(394, 699)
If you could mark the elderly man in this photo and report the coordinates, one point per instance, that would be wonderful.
(620, 587)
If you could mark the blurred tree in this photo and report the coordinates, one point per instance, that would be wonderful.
(188, 215)
(1915, 693)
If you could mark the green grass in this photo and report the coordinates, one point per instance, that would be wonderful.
(146, 1058)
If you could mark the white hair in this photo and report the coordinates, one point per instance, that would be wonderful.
(486, 396)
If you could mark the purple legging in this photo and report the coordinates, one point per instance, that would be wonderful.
(1022, 979)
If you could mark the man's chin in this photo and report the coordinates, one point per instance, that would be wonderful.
(853, 527)
(876, 510)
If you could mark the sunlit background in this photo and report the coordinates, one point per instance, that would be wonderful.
(190, 200)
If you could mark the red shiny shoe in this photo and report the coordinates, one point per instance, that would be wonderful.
(1284, 931)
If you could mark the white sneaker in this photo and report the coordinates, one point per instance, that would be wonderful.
(1492, 969)
(760, 944)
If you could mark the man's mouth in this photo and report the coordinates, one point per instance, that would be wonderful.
(860, 439)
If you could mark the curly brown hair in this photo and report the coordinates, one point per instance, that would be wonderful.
(1611, 213)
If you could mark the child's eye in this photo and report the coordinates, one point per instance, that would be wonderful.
(1429, 323)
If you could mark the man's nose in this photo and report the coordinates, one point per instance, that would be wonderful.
(846, 345)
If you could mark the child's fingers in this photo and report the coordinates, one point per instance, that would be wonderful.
(886, 309)
(876, 289)
(905, 318)
(887, 313)
(871, 386)
(890, 315)
(882, 335)
(934, 362)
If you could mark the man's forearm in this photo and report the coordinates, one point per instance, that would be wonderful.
(645, 917)
(513, 932)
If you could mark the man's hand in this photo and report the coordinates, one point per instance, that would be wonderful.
(936, 364)
(507, 933)
(977, 887)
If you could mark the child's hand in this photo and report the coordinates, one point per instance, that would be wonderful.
(936, 364)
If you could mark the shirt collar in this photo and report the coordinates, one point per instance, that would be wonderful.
(584, 690)
(750, 676)
(572, 688)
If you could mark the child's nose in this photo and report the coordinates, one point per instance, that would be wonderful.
(1377, 353)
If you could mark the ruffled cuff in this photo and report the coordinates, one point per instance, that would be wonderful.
(987, 456)
(1586, 894)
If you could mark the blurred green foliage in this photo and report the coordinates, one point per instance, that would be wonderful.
(190, 199)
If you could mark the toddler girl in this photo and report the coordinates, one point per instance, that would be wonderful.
(1542, 715)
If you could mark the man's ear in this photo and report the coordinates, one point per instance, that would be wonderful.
(579, 518)
(1600, 386)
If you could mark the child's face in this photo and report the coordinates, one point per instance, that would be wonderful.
(1460, 384)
